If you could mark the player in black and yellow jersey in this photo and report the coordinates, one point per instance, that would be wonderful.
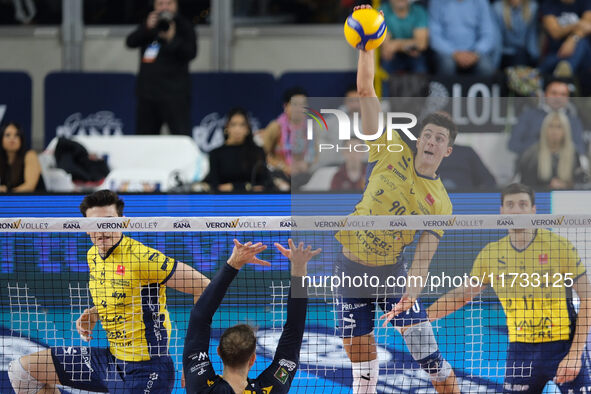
(127, 283)
(238, 344)
(546, 336)
(400, 182)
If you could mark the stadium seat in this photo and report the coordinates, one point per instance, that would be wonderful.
(137, 163)
(321, 179)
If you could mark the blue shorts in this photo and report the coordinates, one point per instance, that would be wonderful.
(96, 369)
(531, 365)
(357, 307)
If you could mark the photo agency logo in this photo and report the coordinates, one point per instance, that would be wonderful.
(348, 128)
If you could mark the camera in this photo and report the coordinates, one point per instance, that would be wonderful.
(164, 19)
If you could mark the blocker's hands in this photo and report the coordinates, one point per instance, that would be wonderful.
(298, 256)
(246, 254)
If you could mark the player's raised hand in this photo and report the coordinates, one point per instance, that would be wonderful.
(405, 303)
(568, 369)
(246, 254)
(86, 322)
(298, 256)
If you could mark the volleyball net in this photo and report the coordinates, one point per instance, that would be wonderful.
(49, 278)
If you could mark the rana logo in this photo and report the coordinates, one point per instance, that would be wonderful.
(288, 224)
(398, 223)
(72, 225)
(181, 224)
(505, 222)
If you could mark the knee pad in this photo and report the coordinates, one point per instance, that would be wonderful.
(422, 346)
(436, 366)
(22, 382)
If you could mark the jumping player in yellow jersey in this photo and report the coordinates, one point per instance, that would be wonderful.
(128, 283)
(399, 183)
(546, 337)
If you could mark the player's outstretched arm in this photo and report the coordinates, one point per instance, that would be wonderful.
(195, 352)
(452, 301)
(417, 275)
(370, 104)
(293, 331)
(287, 355)
(188, 280)
(570, 366)
(446, 305)
(299, 256)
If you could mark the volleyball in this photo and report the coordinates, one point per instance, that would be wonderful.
(365, 29)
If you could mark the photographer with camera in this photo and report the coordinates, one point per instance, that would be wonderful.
(167, 43)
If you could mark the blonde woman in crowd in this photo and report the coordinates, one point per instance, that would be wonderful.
(552, 163)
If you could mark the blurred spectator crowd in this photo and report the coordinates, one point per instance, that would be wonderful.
(478, 36)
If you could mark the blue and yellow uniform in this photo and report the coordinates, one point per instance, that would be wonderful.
(534, 286)
(128, 290)
(393, 188)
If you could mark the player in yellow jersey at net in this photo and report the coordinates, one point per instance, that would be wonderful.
(127, 283)
(398, 183)
(546, 336)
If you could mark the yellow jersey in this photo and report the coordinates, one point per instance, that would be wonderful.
(534, 285)
(393, 188)
(128, 290)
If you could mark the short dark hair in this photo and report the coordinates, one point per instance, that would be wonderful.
(552, 79)
(102, 198)
(293, 91)
(237, 345)
(442, 120)
(516, 188)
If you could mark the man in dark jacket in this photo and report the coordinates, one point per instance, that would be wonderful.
(167, 43)
(526, 132)
(464, 171)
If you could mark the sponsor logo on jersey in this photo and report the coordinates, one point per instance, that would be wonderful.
(398, 173)
(290, 365)
(150, 383)
(281, 375)
(117, 295)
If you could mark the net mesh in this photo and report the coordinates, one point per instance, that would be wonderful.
(48, 281)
